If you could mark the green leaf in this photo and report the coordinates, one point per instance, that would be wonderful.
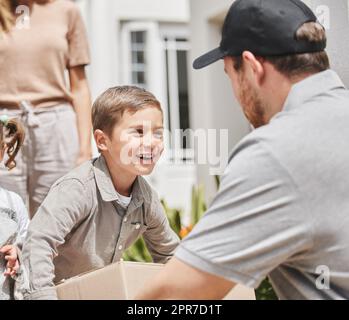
(265, 291)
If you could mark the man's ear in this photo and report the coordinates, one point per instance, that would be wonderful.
(255, 65)
(101, 140)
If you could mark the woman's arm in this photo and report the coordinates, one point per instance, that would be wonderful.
(82, 105)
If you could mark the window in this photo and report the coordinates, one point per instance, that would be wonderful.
(154, 56)
(139, 54)
(176, 55)
(138, 61)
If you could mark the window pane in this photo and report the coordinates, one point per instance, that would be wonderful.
(183, 94)
(140, 77)
(138, 57)
(168, 89)
(134, 77)
(138, 37)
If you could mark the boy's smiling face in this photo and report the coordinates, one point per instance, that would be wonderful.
(136, 142)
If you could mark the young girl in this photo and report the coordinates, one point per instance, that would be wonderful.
(13, 214)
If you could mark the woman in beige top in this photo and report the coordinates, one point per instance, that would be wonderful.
(42, 44)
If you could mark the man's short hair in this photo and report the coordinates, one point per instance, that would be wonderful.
(110, 106)
(294, 65)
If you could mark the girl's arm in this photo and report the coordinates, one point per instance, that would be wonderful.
(23, 219)
(10, 253)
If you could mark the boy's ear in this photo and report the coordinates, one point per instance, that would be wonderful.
(101, 140)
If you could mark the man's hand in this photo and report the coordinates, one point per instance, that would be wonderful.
(180, 281)
(10, 252)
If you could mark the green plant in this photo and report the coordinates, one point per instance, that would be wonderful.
(198, 204)
(265, 291)
(138, 251)
(174, 217)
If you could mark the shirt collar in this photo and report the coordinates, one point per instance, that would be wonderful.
(106, 187)
(311, 87)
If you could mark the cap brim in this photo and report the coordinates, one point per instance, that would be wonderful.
(208, 58)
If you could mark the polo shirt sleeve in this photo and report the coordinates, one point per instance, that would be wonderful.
(254, 224)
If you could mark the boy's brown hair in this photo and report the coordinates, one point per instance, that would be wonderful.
(12, 138)
(110, 106)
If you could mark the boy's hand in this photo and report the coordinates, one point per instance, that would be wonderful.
(10, 252)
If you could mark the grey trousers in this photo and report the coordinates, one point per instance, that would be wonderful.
(50, 151)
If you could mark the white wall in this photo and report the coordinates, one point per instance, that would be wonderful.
(212, 103)
(158, 10)
(337, 21)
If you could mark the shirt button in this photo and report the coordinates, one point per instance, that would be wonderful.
(120, 247)
(138, 226)
(125, 220)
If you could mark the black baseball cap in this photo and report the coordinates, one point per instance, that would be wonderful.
(263, 27)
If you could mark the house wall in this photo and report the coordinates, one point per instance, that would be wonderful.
(103, 20)
(213, 105)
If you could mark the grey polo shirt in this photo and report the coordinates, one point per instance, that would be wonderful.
(80, 226)
(283, 205)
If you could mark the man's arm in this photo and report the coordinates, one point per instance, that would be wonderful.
(255, 223)
(180, 281)
(66, 204)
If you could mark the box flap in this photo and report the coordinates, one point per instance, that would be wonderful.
(241, 292)
(123, 281)
(137, 274)
(101, 284)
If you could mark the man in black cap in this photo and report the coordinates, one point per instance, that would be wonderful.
(283, 208)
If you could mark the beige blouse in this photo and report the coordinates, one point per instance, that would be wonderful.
(33, 60)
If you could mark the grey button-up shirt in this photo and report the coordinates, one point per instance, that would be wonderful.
(81, 226)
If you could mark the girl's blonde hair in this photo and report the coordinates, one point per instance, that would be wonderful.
(7, 17)
(12, 138)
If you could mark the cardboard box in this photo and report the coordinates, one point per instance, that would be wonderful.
(122, 281)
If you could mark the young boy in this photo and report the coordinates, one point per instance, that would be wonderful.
(99, 209)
